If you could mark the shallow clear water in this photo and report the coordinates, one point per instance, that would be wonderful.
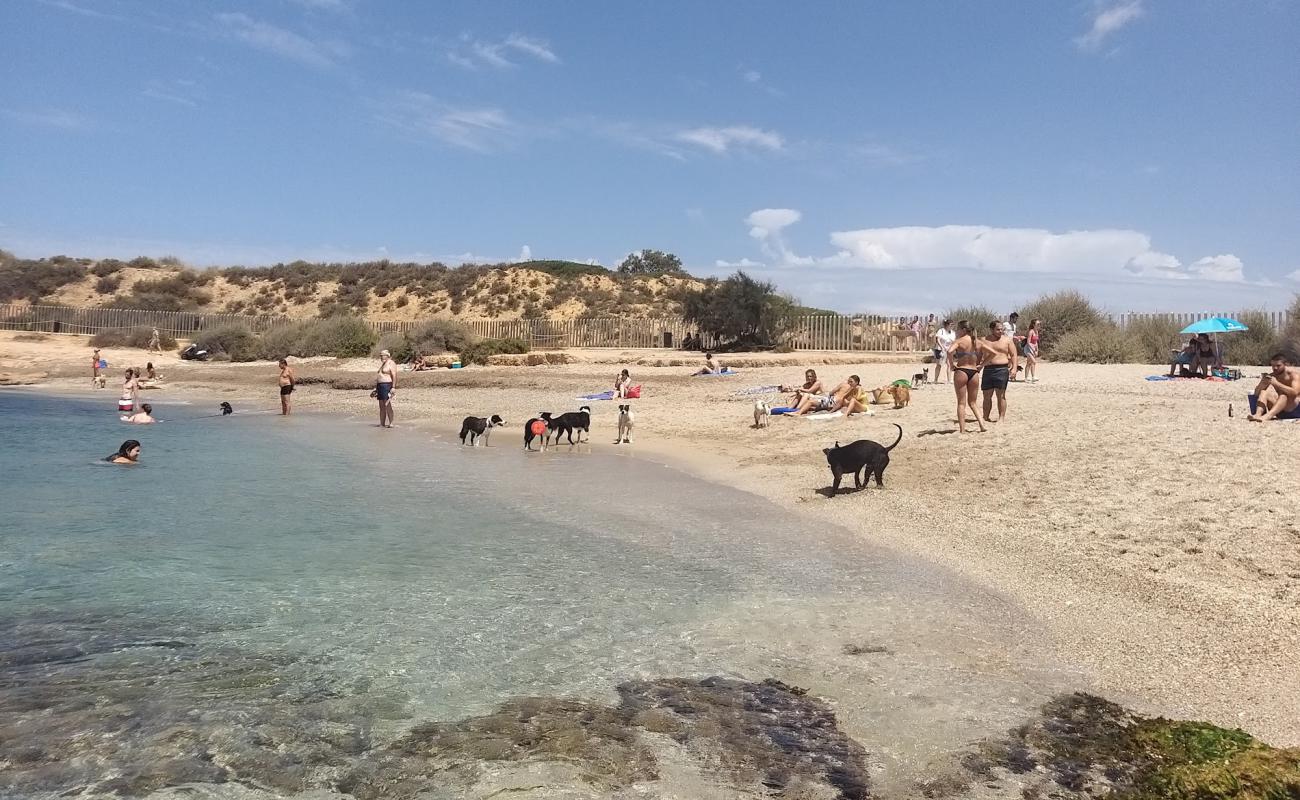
(251, 565)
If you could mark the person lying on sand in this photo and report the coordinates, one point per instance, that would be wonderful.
(142, 417)
(1278, 391)
(710, 366)
(811, 385)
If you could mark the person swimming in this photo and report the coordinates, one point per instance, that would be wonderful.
(128, 453)
(142, 417)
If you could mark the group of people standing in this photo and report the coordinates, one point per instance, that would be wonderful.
(994, 357)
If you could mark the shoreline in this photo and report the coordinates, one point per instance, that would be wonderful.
(1168, 601)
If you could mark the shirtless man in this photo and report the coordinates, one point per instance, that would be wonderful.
(999, 360)
(286, 386)
(142, 417)
(96, 379)
(1277, 391)
(385, 385)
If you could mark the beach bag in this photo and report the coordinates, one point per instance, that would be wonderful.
(634, 393)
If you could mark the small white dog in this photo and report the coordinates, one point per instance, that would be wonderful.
(762, 414)
(626, 419)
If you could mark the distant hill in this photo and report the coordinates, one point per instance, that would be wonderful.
(378, 290)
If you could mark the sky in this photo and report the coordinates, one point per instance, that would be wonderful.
(865, 156)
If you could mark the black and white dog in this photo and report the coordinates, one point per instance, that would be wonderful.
(474, 427)
(539, 427)
(570, 421)
(226, 410)
(626, 421)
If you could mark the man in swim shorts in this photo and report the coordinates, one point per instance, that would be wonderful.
(999, 359)
(385, 386)
(1278, 391)
(286, 386)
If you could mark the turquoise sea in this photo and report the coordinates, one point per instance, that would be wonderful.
(268, 606)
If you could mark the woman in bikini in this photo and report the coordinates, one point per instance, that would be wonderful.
(1031, 352)
(964, 366)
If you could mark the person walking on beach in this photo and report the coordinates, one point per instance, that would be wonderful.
(286, 386)
(999, 359)
(943, 339)
(1031, 351)
(155, 342)
(385, 385)
(963, 365)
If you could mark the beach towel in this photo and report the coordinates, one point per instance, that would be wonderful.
(1253, 400)
(726, 373)
(1211, 379)
(753, 390)
(823, 415)
(606, 395)
(776, 412)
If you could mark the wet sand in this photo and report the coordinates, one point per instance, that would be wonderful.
(1156, 539)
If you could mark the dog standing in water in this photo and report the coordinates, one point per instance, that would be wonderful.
(474, 427)
(626, 420)
(538, 427)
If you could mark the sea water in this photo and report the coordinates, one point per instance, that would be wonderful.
(258, 585)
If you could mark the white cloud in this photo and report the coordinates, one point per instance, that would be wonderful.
(281, 42)
(743, 263)
(1108, 20)
(180, 92)
(67, 5)
(49, 118)
(722, 140)
(1294, 276)
(335, 6)
(985, 248)
(472, 53)
(752, 76)
(525, 254)
(480, 129)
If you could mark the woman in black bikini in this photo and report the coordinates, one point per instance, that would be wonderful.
(963, 365)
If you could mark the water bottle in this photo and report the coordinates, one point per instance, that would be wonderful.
(1229, 409)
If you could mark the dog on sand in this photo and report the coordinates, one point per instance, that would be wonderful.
(901, 394)
(474, 427)
(919, 379)
(862, 456)
(626, 421)
(570, 421)
(762, 414)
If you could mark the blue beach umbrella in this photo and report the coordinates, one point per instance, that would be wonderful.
(1215, 325)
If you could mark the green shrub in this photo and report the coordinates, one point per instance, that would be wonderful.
(1289, 340)
(132, 337)
(1154, 337)
(106, 267)
(234, 341)
(441, 336)
(341, 337)
(1099, 344)
(177, 292)
(398, 346)
(978, 316)
(479, 352)
(1062, 313)
(1251, 347)
(108, 284)
(24, 279)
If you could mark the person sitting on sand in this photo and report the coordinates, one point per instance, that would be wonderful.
(622, 382)
(1207, 356)
(142, 417)
(811, 385)
(831, 400)
(128, 453)
(852, 399)
(1278, 391)
(710, 366)
(1183, 358)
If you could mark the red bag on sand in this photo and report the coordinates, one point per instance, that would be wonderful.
(634, 393)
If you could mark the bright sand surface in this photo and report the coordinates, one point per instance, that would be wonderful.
(1154, 537)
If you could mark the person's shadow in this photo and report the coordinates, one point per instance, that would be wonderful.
(937, 432)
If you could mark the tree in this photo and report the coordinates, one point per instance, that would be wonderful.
(651, 262)
(741, 310)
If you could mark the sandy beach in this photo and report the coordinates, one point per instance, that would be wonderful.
(1155, 537)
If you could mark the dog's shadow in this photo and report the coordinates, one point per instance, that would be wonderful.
(937, 432)
(827, 491)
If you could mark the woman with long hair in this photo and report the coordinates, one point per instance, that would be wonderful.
(1031, 351)
(964, 366)
(128, 453)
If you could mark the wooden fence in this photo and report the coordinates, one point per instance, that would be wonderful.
(851, 333)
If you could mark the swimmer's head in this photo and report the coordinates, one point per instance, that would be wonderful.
(146, 408)
(129, 449)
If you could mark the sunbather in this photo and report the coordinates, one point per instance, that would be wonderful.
(1278, 391)
(1184, 358)
(810, 386)
(853, 398)
(710, 366)
(1207, 356)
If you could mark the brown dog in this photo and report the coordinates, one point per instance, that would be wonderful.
(902, 396)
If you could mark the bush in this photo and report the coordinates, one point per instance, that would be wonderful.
(341, 337)
(741, 311)
(132, 337)
(427, 339)
(479, 352)
(397, 345)
(1289, 341)
(24, 279)
(234, 341)
(1062, 313)
(1153, 337)
(978, 316)
(108, 284)
(1098, 344)
(1252, 347)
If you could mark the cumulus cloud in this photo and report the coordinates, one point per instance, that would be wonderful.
(280, 42)
(990, 249)
(479, 129)
(723, 140)
(473, 53)
(1107, 20)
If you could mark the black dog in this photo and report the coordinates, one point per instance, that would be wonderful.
(861, 455)
(226, 410)
(571, 421)
(545, 433)
(474, 427)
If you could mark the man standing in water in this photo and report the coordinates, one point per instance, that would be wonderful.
(999, 359)
(385, 385)
(286, 386)
(95, 379)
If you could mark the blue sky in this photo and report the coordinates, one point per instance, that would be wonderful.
(865, 156)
